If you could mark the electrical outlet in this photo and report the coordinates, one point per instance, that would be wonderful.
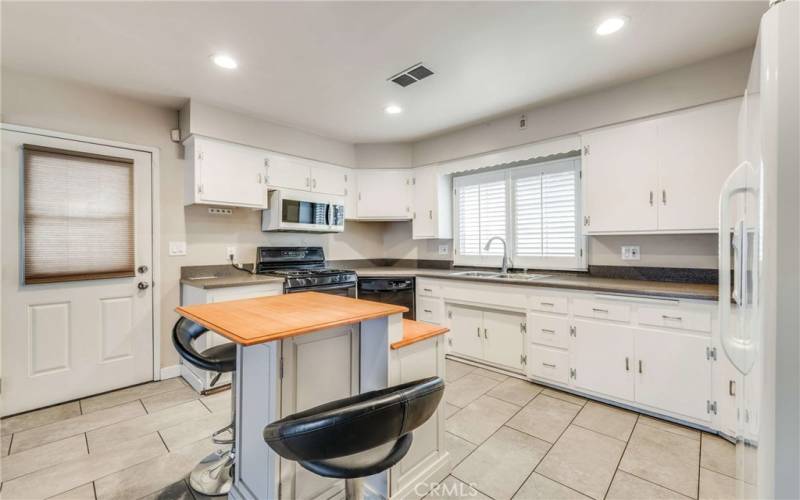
(631, 253)
(220, 211)
(444, 250)
(177, 248)
(231, 255)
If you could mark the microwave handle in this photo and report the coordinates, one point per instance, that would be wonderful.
(329, 214)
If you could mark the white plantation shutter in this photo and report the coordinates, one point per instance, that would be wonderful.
(537, 207)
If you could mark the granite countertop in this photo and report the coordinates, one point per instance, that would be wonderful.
(568, 281)
(223, 276)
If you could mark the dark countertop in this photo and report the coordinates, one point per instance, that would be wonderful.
(223, 276)
(568, 281)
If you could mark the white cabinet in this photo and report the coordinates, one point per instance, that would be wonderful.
(697, 153)
(620, 176)
(659, 175)
(673, 372)
(493, 336)
(601, 358)
(329, 179)
(432, 205)
(199, 379)
(286, 172)
(384, 194)
(221, 173)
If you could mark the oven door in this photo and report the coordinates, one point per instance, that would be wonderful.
(345, 290)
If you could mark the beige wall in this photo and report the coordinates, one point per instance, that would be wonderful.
(83, 110)
(663, 250)
(386, 155)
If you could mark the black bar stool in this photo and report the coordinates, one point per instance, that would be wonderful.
(358, 436)
(214, 474)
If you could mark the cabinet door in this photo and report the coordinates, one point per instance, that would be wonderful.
(697, 150)
(329, 179)
(503, 338)
(384, 194)
(601, 354)
(465, 331)
(620, 176)
(423, 224)
(672, 372)
(726, 382)
(318, 368)
(288, 173)
(230, 174)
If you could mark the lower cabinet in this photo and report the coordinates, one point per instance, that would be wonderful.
(601, 358)
(673, 372)
(489, 335)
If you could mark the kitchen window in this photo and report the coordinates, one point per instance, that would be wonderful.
(535, 208)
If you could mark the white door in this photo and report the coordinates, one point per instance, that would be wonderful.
(697, 152)
(673, 373)
(317, 369)
(726, 383)
(602, 356)
(620, 176)
(504, 340)
(289, 173)
(465, 330)
(231, 174)
(425, 200)
(329, 180)
(71, 339)
(384, 194)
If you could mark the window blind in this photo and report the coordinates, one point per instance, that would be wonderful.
(545, 219)
(481, 215)
(78, 216)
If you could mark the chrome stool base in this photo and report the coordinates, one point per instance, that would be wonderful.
(214, 474)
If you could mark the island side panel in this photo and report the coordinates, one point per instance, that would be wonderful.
(427, 460)
(258, 389)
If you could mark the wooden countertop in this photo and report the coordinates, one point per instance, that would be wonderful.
(417, 331)
(265, 319)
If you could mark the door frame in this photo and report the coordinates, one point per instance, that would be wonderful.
(155, 222)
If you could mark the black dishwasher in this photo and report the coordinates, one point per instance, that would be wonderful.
(398, 291)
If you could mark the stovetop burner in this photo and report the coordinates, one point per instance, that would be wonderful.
(303, 268)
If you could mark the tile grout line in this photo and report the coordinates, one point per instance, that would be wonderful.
(655, 484)
(94, 490)
(616, 469)
(699, 463)
(10, 443)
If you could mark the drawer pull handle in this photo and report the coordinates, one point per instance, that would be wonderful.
(479, 332)
(549, 365)
(640, 366)
(545, 330)
(428, 311)
(598, 310)
(627, 364)
(676, 318)
(732, 387)
(485, 334)
(547, 304)
(428, 290)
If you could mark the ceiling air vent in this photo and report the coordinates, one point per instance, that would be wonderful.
(411, 75)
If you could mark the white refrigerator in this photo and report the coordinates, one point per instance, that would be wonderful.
(758, 238)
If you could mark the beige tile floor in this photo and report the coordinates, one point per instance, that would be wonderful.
(507, 439)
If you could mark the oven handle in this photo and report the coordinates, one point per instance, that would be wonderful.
(336, 286)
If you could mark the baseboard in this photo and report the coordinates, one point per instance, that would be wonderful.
(170, 372)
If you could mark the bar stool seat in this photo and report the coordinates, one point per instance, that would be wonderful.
(214, 474)
(359, 436)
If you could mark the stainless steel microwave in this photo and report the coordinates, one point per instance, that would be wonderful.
(301, 211)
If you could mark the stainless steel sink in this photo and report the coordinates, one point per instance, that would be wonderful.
(475, 274)
(502, 276)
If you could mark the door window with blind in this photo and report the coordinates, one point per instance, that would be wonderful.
(78, 216)
(535, 208)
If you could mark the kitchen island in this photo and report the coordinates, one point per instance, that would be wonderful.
(297, 351)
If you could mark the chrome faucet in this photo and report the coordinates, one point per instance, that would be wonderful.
(505, 251)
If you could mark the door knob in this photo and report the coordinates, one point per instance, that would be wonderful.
(142, 269)
(143, 285)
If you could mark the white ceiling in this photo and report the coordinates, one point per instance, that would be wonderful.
(323, 67)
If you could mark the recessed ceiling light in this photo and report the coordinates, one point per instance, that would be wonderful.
(393, 109)
(610, 25)
(224, 61)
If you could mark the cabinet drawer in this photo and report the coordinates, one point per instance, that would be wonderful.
(601, 310)
(699, 321)
(544, 303)
(548, 330)
(549, 363)
(428, 289)
(430, 310)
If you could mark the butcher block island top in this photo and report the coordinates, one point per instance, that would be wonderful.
(265, 319)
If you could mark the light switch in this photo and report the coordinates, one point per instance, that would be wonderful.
(177, 248)
(631, 253)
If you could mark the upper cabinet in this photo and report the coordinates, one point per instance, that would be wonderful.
(431, 211)
(384, 194)
(659, 175)
(285, 172)
(221, 173)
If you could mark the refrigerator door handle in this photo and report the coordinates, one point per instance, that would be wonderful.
(740, 351)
